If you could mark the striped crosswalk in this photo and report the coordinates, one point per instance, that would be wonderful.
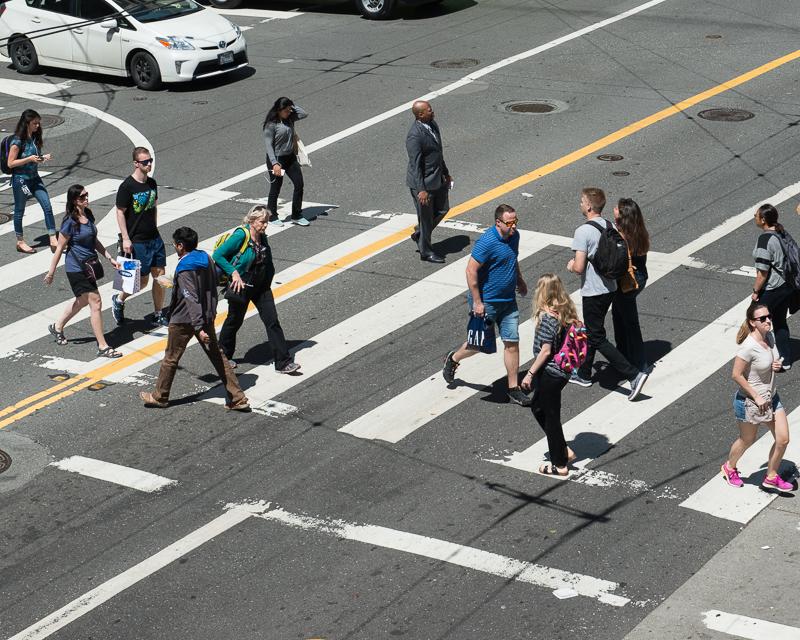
(427, 399)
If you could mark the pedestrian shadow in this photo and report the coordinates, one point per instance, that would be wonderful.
(131, 329)
(453, 244)
(654, 350)
(312, 213)
(589, 446)
(788, 471)
(256, 355)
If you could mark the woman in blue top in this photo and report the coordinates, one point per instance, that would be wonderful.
(251, 270)
(24, 157)
(78, 237)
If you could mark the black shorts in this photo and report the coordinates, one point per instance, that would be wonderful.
(80, 283)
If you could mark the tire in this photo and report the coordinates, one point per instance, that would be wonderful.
(144, 71)
(225, 4)
(23, 55)
(376, 9)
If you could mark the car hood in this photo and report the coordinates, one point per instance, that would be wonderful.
(202, 28)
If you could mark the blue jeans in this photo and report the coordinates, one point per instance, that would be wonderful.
(24, 187)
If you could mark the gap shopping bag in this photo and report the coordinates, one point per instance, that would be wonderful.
(128, 277)
(480, 334)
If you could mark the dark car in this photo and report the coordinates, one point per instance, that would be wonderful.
(372, 9)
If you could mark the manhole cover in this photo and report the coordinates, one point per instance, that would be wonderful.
(5, 461)
(610, 157)
(535, 106)
(455, 63)
(48, 122)
(139, 98)
(4, 217)
(726, 115)
(620, 174)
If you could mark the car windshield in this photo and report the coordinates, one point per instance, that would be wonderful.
(155, 10)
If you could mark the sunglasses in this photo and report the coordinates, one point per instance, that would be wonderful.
(763, 318)
(145, 162)
(510, 223)
(84, 196)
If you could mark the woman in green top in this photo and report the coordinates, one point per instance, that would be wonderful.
(251, 272)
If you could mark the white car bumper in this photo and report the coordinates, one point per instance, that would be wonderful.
(182, 66)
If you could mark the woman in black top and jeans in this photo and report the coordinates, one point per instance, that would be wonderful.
(279, 138)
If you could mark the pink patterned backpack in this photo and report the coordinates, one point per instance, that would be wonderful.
(572, 353)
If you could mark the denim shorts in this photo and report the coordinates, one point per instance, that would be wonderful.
(151, 253)
(738, 405)
(505, 316)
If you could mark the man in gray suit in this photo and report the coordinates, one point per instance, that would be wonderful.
(427, 177)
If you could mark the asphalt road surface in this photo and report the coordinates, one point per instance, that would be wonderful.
(364, 499)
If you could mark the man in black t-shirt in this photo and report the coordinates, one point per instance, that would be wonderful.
(137, 217)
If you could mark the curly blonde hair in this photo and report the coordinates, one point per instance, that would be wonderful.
(257, 212)
(550, 296)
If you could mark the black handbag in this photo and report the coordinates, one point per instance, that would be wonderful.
(93, 269)
(236, 297)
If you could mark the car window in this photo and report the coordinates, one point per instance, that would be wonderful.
(94, 9)
(155, 10)
(57, 6)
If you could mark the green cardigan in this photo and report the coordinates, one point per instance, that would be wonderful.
(229, 249)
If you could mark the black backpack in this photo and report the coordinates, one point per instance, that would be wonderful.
(791, 254)
(611, 258)
(5, 147)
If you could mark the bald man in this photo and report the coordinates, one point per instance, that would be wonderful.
(427, 177)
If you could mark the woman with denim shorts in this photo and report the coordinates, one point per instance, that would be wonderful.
(754, 369)
(24, 157)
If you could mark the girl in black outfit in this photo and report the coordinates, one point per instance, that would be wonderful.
(279, 138)
(627, 333)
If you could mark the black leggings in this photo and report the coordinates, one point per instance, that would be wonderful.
(777, 301)
(546, 408)
(292, 169)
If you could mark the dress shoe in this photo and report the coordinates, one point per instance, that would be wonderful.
(415, 236)
(432, 258)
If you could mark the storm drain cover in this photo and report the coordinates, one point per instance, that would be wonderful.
(4, 217)
(455, 63)
(609, 157)
(620, 174)
(48, 122)
(533, 106)
(726, 115)
(5, 461)
(713, 36)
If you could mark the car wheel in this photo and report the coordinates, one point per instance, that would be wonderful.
(225, 4)
(23, 55)
(144, 71)
(375, 9)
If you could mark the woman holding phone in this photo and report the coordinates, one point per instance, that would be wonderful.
(24, 157)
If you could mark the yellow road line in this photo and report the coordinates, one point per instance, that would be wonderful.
(67, 388)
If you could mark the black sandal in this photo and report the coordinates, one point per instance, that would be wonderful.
(108, 352)
(58, 335)
(551, 470)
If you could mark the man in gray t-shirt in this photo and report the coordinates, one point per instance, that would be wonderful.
(597, 292)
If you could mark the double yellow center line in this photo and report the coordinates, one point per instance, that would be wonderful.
(65, 389)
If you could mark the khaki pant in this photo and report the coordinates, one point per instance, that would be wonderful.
(177, 341)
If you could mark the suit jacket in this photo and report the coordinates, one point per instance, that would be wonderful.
(426, 167)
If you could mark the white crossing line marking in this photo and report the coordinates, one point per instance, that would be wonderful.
(372, 324)
(257, 13)
(5, 179)
(268, 407)
(743, 504)
(103, 593)
(452, 553)
(748, 628)
(33, 212)
(110, 472)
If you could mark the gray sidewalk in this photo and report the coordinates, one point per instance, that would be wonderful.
(743, 579)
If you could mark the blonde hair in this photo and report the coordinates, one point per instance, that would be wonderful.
(550, 295)
(750, 316)
(256, 213)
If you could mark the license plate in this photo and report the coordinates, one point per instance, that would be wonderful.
(226, 57)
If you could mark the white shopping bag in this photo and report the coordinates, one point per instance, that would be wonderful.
(128, 278)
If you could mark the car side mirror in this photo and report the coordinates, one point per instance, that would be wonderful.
(111, 23)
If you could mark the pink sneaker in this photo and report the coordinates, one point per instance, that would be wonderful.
(777, 483)
(731, 475)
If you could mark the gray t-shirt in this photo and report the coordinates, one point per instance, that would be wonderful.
(586, 239)
(769, 253)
